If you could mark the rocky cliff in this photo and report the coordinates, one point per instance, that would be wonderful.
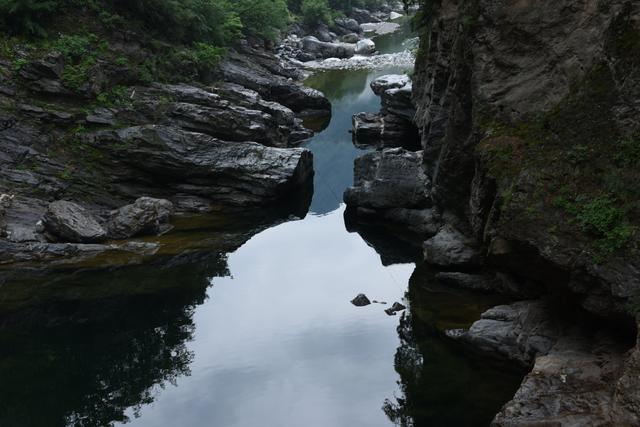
(529, 120)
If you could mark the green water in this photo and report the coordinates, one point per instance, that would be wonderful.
(248, 322)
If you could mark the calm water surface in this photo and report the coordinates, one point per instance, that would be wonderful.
(258, 331)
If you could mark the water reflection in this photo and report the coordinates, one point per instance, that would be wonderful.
(441, 383)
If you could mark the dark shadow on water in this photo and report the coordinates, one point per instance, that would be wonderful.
(441, 384)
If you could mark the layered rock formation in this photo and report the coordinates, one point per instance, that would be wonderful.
(202, 147)
(528, 117)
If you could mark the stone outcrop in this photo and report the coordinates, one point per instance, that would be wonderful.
(392, 126)
(201, 146)
(145, 216)
(70, 222)
(391, 186)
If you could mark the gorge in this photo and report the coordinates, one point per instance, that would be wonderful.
(181, 248)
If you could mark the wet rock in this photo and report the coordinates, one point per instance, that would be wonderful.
(327, 49)
(390, 178)
(395, 307)
(360, 300)
(394, 15)
(450, 248)
(365, 47)
(70, 222)
(145, 216)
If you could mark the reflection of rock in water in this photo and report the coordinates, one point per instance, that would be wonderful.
(439, 384)
(87, 347)
(391, 247)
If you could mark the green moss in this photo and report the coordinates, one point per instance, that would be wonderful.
(580, 160)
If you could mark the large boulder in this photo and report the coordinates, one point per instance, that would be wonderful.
(326, 49)
(230, 173)
(365, 47)
(69, 222)
(452, 249)
(395, 91)
(384, 130)
(391, 178)
(145, 216)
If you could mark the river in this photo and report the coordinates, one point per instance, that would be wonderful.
(262, 334)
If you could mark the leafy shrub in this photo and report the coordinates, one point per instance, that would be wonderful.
(315, 12)
(264, 18)
(26, 16)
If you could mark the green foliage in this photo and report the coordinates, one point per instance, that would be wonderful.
(116, 96)
(186, 21)
(315, 12)
(602, 217)
(26, 16)
(264, 18)
(74, 47)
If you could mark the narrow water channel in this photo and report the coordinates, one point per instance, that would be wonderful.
(258, 332)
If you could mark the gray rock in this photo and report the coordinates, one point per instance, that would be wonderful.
(145, 216)
(520, 331)
(384, 130)
(389, 81)
(347, 24)
(350, 38)
(70, 222)
(395, 307)
(327, 49)
(391, 178)
(363, 16)
(234, 174)
(450, 248)
(360, 300)
(365, 47)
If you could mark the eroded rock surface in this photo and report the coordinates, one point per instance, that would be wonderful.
(70, 222)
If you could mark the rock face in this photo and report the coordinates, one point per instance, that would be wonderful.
(393, 126)
(579, 374)
(70, 222)
(243, 173)
(390, 178)
(450, 248)
(201, 146)
(145, 216)
(390, 187)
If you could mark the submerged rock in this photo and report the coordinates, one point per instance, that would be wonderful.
(69, 222)
(145, 216)
(360, 300)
